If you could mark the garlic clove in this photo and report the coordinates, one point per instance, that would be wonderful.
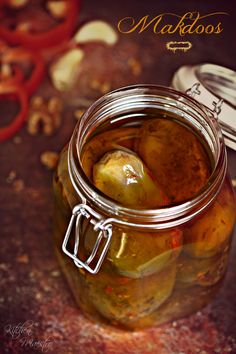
(64, 71)
(96, 31)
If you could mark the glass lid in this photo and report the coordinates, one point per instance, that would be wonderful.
(216, 89)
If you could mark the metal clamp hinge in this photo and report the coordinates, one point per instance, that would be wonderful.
(217, 107)
(195, 90)
(104, 232)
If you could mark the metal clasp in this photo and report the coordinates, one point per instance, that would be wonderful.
(217, 107)
(104, 231)
(195, 90)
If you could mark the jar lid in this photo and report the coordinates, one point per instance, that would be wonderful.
(215, 87)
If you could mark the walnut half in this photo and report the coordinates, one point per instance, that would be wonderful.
(44, 115)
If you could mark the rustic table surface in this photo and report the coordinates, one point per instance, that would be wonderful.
(37, 311)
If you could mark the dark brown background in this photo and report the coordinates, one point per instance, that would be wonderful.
(32, 287)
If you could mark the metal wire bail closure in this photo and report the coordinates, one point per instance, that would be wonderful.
(104, 231)
(214, 86)
(195, 90)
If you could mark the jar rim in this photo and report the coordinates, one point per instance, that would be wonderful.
(158, 218)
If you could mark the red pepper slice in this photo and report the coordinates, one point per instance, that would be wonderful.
(14, 92)
(15, 55)
(51, 37)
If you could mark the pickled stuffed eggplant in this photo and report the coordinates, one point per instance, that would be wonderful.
(122, 176)
(203, 272)
(210, 234)
(175, 156)
(120, 138)
(138, 254)
(125, 300)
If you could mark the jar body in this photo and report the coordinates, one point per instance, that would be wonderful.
(161, 264)
(134, 289)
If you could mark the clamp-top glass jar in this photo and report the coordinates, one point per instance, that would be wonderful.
(144, 209)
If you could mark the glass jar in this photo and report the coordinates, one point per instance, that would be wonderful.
(134, 267)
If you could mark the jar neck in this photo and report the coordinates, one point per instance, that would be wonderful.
(132, 100)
